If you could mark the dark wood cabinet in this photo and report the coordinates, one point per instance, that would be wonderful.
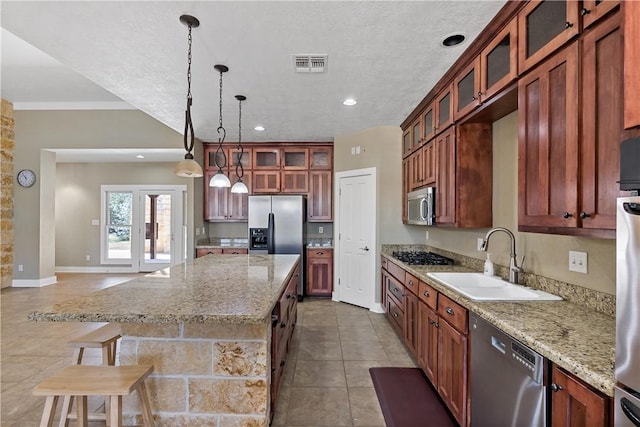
(548, 142)
(428, 123)
(296, 181)
(406, 141)
(266, 158)
(544, 26)
(631, 27)
(295, 158)
(266, 181)
(319, 272)
(429, 163)
(417, 165)
(499, 61)
(428, 342)
(320, 200)
(594, 10)
(207, 251)
(445, 152)
(410, 327)
(235, 251)
(321, 158)
(406, 188)
(443, 112)
(574, 403)
(466, 90)
(452, 370)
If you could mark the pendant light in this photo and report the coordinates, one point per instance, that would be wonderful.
(240, 187)
(188, 167)
(220, 179)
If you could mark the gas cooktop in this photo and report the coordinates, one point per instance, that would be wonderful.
(421, 258)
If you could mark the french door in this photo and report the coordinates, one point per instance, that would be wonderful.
(143, 226)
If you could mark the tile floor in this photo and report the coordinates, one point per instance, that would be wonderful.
(326, 381)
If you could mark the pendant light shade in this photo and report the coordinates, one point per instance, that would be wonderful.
(240, 187)
(188, 167)
(220, 180)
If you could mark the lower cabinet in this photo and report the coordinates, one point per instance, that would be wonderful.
(283, 321)
(574, 403)
(226, 251)
(319, 272)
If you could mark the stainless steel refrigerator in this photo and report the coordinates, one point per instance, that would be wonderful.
(277, 225)
(627, 393)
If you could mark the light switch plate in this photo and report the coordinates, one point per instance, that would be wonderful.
(320, 230)
(578, 262)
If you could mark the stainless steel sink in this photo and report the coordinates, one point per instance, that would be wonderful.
(480, 287)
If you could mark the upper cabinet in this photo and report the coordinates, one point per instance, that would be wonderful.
(444, 109)
(428, 123)
(593, 10)
(466, 90)
(543, 27)
(321, 158)
(499, 61)
(631, 27)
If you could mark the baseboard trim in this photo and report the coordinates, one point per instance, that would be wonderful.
(31, 283)
(102, 269)
(377, 308)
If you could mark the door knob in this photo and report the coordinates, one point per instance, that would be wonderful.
(366, 248)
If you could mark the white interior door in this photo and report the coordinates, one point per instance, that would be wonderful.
(356, 237)
(161, 228)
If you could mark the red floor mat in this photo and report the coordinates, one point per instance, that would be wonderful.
(407, 399)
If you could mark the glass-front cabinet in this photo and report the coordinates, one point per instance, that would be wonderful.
(466, 89)
(593, 10)
(406, 141)
(444, 109)
(428, 123)
(543, 27)
(499, 61)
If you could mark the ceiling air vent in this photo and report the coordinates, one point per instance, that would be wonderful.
(310, 63)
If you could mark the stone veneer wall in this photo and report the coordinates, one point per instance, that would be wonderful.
(6, 195)
(204, 375)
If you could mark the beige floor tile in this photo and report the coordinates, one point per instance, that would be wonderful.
(319, 332)
(357, 333)
(365, 407)
(363, 350)
(357, 371)
(319, 350)
(319, 406)
(319, 373)
(319, 319)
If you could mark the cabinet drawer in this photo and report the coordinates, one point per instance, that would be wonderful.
(319, 253)
(428, 295)
(453, 313)
(235, 251)
(395, 313)
(396, 290)
(207, 251)
(395, 270)
(411, 282)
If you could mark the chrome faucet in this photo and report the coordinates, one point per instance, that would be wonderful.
(514, 270)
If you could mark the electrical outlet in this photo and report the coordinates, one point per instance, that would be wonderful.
(426, 235)
(95, 222)
(357, 149)
(320, 230)
(578, 262)
(20, 267)
(480, 242)
(353, 150)
(88, 257)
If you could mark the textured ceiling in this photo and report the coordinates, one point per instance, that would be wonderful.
(386, 54)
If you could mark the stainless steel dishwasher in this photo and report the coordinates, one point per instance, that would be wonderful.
(507, 379)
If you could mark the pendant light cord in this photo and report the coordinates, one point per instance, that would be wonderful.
(188, 124)
(222, 133)
(240, 147)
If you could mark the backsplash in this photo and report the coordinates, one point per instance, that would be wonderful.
(598, 301)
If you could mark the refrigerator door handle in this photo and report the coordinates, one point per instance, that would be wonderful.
(271, 242)
(631, 411)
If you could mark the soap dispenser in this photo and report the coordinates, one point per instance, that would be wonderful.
(488, 266)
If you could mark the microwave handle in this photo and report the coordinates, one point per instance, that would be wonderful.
(424, 208)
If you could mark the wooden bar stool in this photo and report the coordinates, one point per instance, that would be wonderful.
(82, 381)
(106, 338)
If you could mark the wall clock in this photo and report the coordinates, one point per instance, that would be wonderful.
(26, 177)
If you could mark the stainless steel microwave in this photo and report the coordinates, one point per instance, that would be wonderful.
(421, 206)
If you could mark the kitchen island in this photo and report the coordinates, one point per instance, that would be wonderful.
(206, 326)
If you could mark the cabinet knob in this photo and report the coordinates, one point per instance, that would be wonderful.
(410, 282)
(426, 294)
(283, 324)
(319, 253)
(395, 314)
(568, 25)
(449, 311)
(584, 215)
(437, 325)
(555, 387)
(567, 215)
(585, 11)
(431, 321)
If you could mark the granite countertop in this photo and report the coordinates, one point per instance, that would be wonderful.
(223, 242)
(220, 289)
(576, 338)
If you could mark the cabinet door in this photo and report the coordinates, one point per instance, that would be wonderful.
(295, 158)
(235, 156)
(427, 354)
(266, 158)
(593, 10)
(235, 251)
(429, 163)
(207, 251)
(499, 61)
(417, 164)
(428, 123)
(452, 370)
(631, 27)
(466, 90)
(319, 272)
(411, 322)
(320, 199)
(295, 181)
(574, 403)
(266, 181)
(215, 200)
(214, 157)
(238, 204)
(321, 158)
(445, 151)
(602, 120)
(384, 276)
(416, 133)
(406, 141)
(548, 142)
(444, 109)
(543, 27)
(406, 187)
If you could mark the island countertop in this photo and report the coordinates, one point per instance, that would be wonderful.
(211, 289)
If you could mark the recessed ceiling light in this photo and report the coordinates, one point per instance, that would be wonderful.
(259, 128)
(349, 101)
(139, 156)
(453, 40)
